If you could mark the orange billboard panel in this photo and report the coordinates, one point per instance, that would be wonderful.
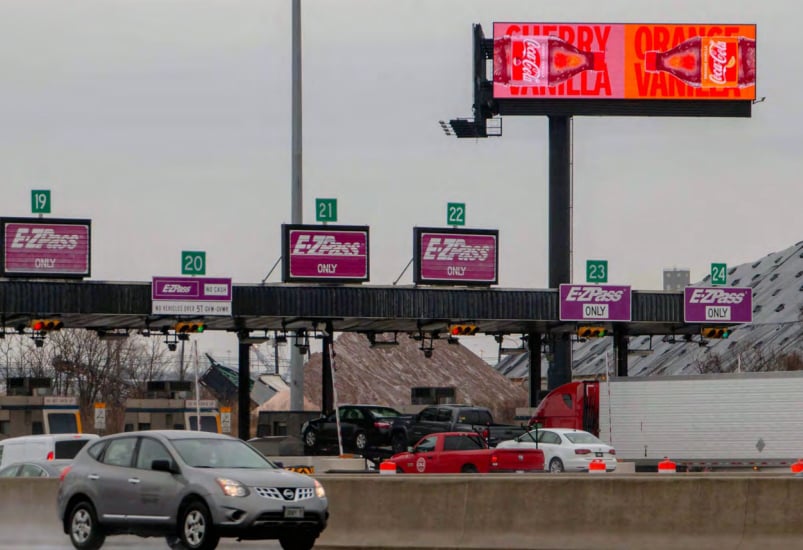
(624, 61)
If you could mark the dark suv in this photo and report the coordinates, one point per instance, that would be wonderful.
(190, 487)
(362, 427)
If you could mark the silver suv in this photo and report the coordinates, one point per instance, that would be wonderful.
(190, 487)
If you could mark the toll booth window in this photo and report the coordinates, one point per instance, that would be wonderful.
(567, 400)
(69, 448)
(128, 428)
(144, 426)
(280, 428)
(5, 427)
(37, 428)
(62, 423)
(208, 423)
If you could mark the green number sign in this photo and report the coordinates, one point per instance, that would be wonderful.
(456, 213)
(193, 262)
(719, 274)
(597, 271)
(325, 210)
(40, 201)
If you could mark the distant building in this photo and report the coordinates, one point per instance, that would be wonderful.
(676, 279)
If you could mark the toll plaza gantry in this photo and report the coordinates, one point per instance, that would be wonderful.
(320, 311)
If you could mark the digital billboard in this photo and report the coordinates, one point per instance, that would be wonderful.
(455, 256)
(325, 253)
(632, 61)
(40, 247)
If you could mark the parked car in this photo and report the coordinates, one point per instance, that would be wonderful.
(362, 427)
(565, 449)
(188, 486)
(36, 468)
(42, 447)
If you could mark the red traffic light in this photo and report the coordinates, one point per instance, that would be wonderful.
(463, 330)
(46, 324)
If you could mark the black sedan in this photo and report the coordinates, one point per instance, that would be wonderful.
(362, 427)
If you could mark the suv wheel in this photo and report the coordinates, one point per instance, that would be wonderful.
(298, 541)
(84, 530)
(195, 527)
(310, 439)
(360, 441)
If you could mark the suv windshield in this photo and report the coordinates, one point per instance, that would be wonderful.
(219, 453)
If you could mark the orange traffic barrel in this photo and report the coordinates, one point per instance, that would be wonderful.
(797, 467)
(387, 467)
(596, 466)
(666, 466)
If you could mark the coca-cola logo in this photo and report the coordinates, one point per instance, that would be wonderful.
(710, 296)
(721, 61)
(324, 245)
(527, 60)
(593, 294)
(47, 238)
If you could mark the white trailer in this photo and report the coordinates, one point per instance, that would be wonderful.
(713, 421)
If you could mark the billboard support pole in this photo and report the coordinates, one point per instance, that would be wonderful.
(296, 358)
(560, 236)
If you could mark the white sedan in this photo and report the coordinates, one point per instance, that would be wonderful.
(565, 450)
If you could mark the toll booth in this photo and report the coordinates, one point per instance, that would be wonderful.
(167, 407)
(29, 408)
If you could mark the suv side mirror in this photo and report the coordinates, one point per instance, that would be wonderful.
(164, 466)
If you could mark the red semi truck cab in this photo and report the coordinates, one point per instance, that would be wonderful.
(573, 405)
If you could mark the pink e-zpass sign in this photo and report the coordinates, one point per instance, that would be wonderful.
(717, 305)
(594, 303)
(321, 253)
(34, 247)
(456, 256)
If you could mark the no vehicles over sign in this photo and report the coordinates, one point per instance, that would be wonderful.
(594, 303)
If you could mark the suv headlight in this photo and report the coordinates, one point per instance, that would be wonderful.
(232, 487)
(319, 492)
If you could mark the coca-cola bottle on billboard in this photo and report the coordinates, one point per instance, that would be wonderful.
(708, 62)
(541, 60)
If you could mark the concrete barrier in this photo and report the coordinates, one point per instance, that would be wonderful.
(571, 511)
(568, 511)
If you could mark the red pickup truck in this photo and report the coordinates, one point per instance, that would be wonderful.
(464, 452)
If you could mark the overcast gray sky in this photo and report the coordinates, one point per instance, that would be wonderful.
(167, 122)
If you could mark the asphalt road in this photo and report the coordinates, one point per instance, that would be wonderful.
(27, 539)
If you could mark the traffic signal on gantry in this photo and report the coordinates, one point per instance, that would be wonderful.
(591, 332)
(187, 327)
(41, 325)
(463, 330)
(715, 332)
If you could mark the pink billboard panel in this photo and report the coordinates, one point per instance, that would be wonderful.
(34, 247)
(456, 256)
(633, 61)
(321, 253)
